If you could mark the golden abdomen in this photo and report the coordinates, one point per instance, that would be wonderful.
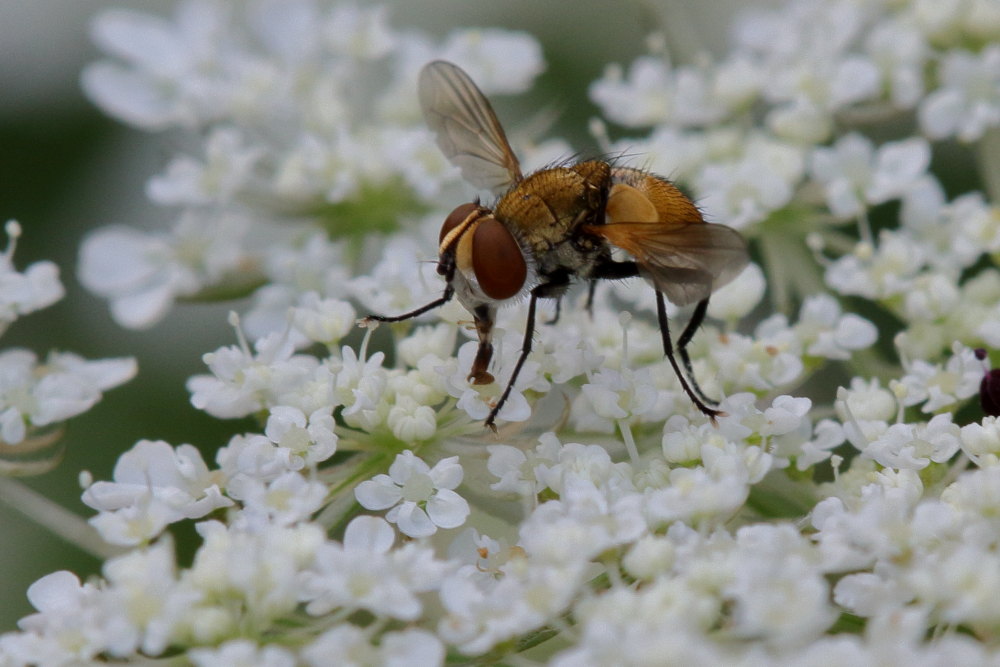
(671, 205)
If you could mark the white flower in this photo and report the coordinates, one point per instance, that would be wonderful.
(144, 602)
(739, 297)
(968, 102)
(360, 387)
(612, 396)
(914, 447)
(227, 168)
(900, 51)
(829, 333)
(243, 382)
(478, 400)
(257, 568)
(410, 420)
(521, 472)
(353, 645)
(588, 518)
(434, 341)
(159, 83)
(881, 272)
(309, 441)
(875, 525)
(154, 484)
(827, 435)
(641, 98)
(772, 358)
(747, 190)
(981, 442)
(359, 32)
(422, 499)
(400, 281)
(66, 385)
(22, 293)
(256, 457)
(855, 175)
(778, 589)
(67, 627)
(867, 594)
(287, 499)
(143, 273)
(366, 573)
(481, 612)
(707, 493)
(938, 386)
(653, 93)
(242, 653)
(499, 61)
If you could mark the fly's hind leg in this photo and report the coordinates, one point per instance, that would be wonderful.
(697, 317)
(668, 349)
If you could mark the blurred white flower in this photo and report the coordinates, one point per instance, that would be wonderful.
(34, 394)
(143, 273)
(243, 382)
(855, 175)
(365, 572)
(741, 192)
(941, 385)
(828, 332)
(227, 167)
(404, 648)
(22, 293)
(967, 103)
(154, 477)
(905, 446)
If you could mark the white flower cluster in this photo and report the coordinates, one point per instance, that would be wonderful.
(37, 396)
(370, 516)
(307, 113)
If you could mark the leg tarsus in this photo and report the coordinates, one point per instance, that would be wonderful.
(697, 317)
(668, 350)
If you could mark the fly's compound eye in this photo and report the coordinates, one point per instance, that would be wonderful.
(497, 260)
(455, 218)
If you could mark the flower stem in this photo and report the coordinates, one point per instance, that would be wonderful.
(57, 519)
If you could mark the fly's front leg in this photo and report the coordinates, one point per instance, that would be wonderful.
(437, 303)
(554, 288)
(446, 267)
(529, 332)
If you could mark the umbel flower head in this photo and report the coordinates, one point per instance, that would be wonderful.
(842, 510)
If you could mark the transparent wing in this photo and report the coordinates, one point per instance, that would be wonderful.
(467, 130)
(687, 262)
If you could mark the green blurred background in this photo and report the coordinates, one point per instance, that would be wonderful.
(66, 169)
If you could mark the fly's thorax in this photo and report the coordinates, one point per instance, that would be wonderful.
(546, 207)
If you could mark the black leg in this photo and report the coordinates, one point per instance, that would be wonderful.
(668, 349)
(555, 319)
(529, 332)
(445, 298)
(697, 317)
(591, 287)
